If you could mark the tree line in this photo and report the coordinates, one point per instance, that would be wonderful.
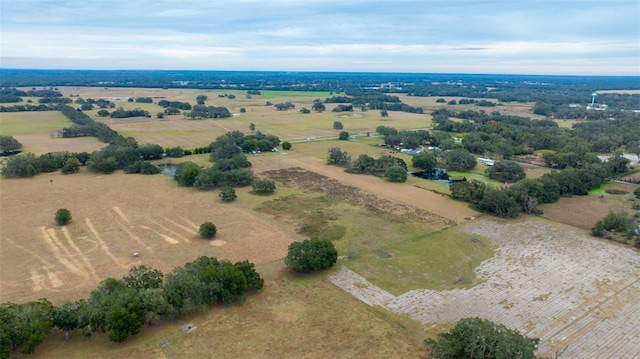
(121, 307)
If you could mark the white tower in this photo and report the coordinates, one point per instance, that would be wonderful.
(593, 98)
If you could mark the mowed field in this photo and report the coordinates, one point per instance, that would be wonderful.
(38, 132)
(421, 261)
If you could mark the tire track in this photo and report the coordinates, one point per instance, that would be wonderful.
(102, 244)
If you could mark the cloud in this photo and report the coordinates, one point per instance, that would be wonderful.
(330, 35)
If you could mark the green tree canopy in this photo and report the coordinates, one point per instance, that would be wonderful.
(143, 277)
(459, 160)
(508, 171)
(475, 338)
(62, 216)
(396, 174)
(425, 161)
(338, 157)
(207, 230)
(311, 255)
(8, 143)
(227, 194)
(264, 185)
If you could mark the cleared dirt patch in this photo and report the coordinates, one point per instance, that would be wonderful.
(545, 280)
(584, 211)
(312, 175)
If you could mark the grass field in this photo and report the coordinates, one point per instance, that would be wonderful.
(28, 123)
(566, 123)
(38, 132)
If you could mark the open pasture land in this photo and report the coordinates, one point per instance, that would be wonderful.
(566, 123)
(113, 217)
(38, 132)
(288, 125)
(546, 280)
(584, 211)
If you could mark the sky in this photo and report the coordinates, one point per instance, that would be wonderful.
(559, 37)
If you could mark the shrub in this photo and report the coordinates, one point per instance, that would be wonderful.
(344, 136)
(175, 152)
(71, 166)
(148, 168)
(286, 145)
(207, 230)
(63, 217)
(396, 174)
(637, 192)
(311, 254)
(227, 194)
(264, 186)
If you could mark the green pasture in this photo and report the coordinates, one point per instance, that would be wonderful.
(438, 260)
(475, 176)
(396, 253)
(429, 185)
(35, 122)
(623, 187)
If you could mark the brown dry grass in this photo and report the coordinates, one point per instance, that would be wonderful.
(584, 211)
(115, 216)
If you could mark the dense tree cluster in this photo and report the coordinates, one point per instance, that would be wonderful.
(507, 136)
(318, 105)
(28, 164)
(526, 194)
(506, 171)
(122, 113)
(31, 107)
(101, 103)
(339, 99)
(202, 111)
(343, 108)
(12, 95)
(231, 167)
(121, 307)
(58, 100)
(9, 143)
(388, 166)
(284, 106)
(175, 104)
(404, 138)
(236, 142)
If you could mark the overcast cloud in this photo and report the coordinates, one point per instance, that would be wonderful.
(460, 36)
